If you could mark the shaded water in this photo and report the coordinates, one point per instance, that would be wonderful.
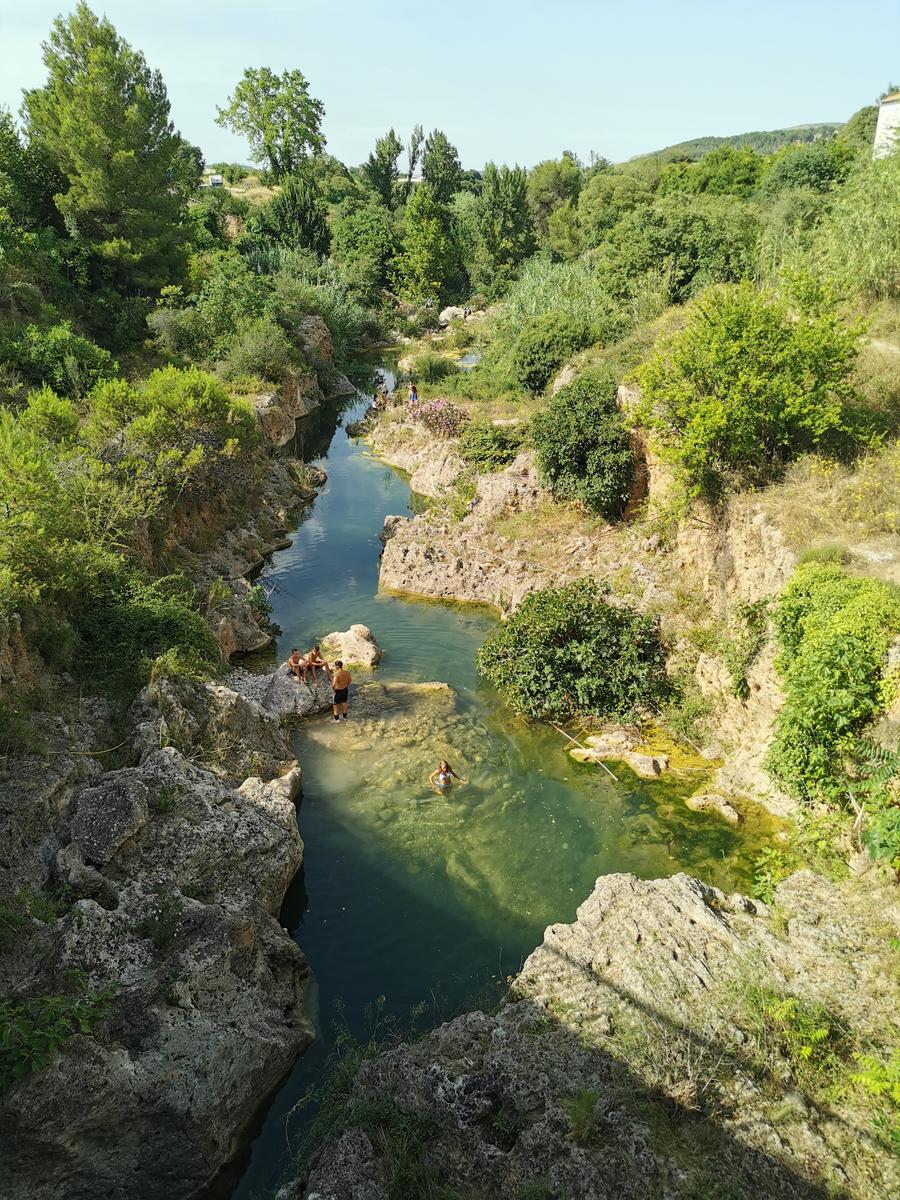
(416, 897)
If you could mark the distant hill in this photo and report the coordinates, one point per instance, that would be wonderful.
(766, 141)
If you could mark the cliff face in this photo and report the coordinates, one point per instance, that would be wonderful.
(633, 1060)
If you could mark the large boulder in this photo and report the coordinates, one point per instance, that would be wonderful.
(276, 424)
(110, 815)
(279, 693)
(355, 647)
(449, 314)
(315, 338)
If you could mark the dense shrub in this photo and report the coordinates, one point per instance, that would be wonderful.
(566, 651)
(833, 633)
(543, 344)
(260, 349)
(750, 383)
(439, 416)
(430, 367)
(489, 447)
(50, 416)
(128, 622)
(60, 359)
(583, 447)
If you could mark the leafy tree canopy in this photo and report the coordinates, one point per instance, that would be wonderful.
(550, 184)
(103, 119)
(278, 117)
(441, 168)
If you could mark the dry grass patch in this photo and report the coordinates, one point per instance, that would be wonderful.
(821, 501)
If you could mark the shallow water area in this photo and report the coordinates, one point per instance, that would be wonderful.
(426, 899)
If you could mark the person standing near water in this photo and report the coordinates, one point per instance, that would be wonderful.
(341, 684)
(440, 779)
(412, 394)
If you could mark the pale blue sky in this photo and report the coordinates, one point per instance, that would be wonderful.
(516, 82)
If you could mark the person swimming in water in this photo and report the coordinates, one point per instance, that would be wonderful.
(440, 779)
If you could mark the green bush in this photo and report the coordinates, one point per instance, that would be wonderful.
(543, 344)
(859, 246)
(490, 447)
(50, 416)
(833, 633)
(60, 359)
(261, 349)
(583, 447)
(750, 383)
(126, 623)
(567, 651)
(429, 367)
(32, 1030)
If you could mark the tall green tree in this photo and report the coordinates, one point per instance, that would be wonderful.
(363, 241)
(551, 184)
(103, 119)
(380, 169)
(277, 116)
(426, 260)
(296, 216)
(441, 167)
(504, 234)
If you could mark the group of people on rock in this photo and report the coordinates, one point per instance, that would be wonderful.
(302, 666)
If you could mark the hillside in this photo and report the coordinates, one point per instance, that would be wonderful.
(766, 141)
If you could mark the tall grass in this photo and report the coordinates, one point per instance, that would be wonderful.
(572, 288)
(859, 245)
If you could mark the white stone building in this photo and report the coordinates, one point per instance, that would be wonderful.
(887, 131)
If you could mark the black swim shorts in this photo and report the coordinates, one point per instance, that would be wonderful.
(340, 695)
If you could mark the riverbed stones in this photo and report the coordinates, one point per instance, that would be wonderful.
(355, 647)
(713, 802)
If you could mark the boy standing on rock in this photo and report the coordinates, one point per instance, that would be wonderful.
(341, 684)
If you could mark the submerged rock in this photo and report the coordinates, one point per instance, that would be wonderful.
(712, 802)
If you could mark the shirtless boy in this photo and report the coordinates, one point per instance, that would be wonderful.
(341, 685)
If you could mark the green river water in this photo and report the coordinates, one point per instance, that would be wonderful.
(425, 900)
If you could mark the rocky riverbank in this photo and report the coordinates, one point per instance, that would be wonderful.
(663, 1045)
(144, 858)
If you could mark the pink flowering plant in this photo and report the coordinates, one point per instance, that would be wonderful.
(439, 416)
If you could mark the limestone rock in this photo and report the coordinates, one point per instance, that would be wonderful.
(109, 815)
(334, 384)
(355, 647)
(391, 524)
(315, 337)
(276, 424)
(437, 473)
(451, 313)
(278, 692)
(300, 394)
(711, 802)
(563, 378)
(606, 1020)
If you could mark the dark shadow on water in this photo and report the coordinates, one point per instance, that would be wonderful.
(422, 999)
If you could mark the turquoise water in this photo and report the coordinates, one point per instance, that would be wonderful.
(426, 900)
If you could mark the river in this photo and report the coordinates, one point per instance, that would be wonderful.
(411, 902)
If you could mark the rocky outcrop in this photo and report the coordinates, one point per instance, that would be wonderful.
(279, 693)
(174, 870)
(631, 1062)
(619, 745)
(432, 464)
(355, 647)
(278, 412)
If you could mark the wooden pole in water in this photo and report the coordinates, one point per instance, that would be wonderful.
(587, 749)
